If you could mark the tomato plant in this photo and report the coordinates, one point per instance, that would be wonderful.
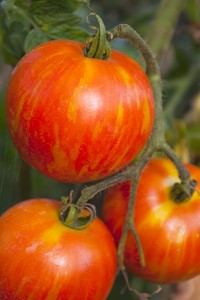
(78, 119)
(41, 258)
(169, 231)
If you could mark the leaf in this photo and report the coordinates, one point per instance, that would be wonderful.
(51, 7)
(64, 31)
(33, 39)
(12, 13)
(57, 18)
(12, 42)
(22, 27)
(14, 26)
(59, 26)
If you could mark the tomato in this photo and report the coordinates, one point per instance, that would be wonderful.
(78, 119)
(43, 259)
(169, 232)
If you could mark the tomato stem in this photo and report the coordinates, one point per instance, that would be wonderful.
(75, 217)
(180, 193)
(97, 46)
(71, 218)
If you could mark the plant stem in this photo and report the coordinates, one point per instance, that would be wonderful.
(126, 32)
(183, 174)
(97, 46)
(130, 215)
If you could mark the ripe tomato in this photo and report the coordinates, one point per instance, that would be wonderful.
(42, 259)
(78, 119)
(169, 232)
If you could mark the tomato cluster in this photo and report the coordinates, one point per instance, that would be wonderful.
(78, 119)
(74, 119)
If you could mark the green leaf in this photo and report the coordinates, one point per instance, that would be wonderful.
(51, 7)
(22, 27)
(12, 42)
(33, 39)
(11, 13)
(58, 18)
(58, 26)
(14, 26)
(65, 31)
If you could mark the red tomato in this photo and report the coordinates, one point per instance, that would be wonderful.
(169, 232)
(78, 119)
(42, 259)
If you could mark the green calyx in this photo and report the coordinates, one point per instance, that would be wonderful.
(75, 217)
(97, 46)
(180, 192)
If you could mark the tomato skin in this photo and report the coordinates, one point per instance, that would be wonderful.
(42, 259)
(78, 119)
(169, 232)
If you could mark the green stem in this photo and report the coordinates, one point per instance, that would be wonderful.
(77, 217)
(126, 32)
(161, 30)
(183, 173)
(89, 192)
(129, 224)
(72, 217)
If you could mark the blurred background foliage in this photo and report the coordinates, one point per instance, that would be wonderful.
(173, 32)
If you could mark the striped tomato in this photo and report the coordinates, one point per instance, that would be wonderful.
(78, 119)
(169, 231)
(42, 259)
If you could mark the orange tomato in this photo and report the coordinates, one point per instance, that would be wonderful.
(78, 119)
(169, 232)
(42, 259)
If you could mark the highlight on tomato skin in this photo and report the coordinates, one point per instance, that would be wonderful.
(43, 259)
(168, 231)
(78, 119)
